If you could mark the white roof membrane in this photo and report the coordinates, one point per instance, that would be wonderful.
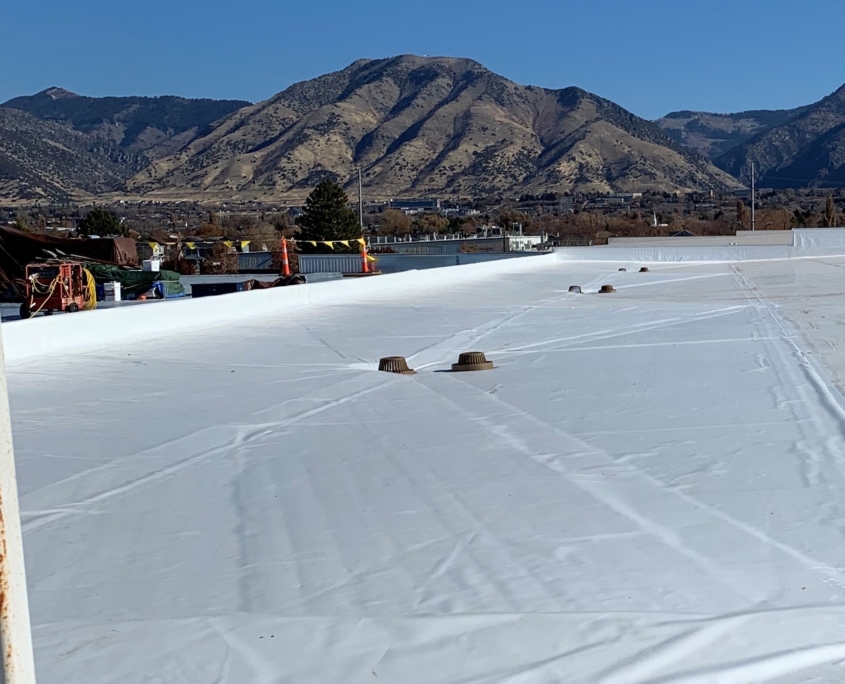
(648, 487)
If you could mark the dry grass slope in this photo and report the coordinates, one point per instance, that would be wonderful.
(422, 126)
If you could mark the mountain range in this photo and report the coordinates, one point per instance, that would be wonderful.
(422, 126)
(806, 150)
(416, 126)
(715, 134)
(60, 145)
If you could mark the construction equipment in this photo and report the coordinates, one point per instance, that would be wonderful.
(60, 286)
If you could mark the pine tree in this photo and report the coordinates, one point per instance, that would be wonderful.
(101, 222)
(327, 216)
(829, 213)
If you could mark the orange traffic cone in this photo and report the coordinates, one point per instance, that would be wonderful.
(365, 267)
(285, 262)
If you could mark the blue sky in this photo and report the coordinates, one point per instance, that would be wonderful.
(650, 56)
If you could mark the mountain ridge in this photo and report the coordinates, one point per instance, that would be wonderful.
(45, 160)
(123, 134)
(807, 150)
(422, 125)
(417, 126)
(713, 134)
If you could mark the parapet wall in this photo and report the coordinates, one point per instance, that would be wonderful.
(805, 243)
(89, 330)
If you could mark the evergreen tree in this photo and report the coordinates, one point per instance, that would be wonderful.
(829, 213)
(101, 222)
(327, 216)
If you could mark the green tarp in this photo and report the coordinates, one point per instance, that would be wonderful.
(135, 283)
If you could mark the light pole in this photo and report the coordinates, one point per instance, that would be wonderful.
(753, 199)
(360, 203)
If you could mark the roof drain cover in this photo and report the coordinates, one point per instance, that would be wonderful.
(644, 269)
(605, 289)
(575, 288)
(472, 361)
(395, 364)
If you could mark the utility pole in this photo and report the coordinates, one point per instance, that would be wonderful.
(360, 203)
(15, 630)
(753, 199)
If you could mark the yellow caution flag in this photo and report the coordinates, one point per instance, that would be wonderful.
(362, 242)
(228, 243)
(244, 243)
(328, 243)
(370, 258)
(191, 245)
(312, 242)
(153, 245)
(345, 243)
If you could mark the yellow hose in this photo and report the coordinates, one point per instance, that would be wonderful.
(90, 292)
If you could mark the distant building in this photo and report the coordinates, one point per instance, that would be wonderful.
(415, 205)
(616, 199)
(489, 241)
(524, 243)
(460, 211)
(623, 197)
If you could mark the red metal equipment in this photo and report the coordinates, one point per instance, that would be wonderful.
(54, 287)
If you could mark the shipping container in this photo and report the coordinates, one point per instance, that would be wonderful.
(330, 263)
(255, 262)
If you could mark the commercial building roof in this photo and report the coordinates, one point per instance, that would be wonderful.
(648, 487)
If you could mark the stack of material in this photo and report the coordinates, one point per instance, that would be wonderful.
(17, 249)
(135, 283)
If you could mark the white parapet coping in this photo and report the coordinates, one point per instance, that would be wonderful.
(63, 334)
(691, 254)
(804, 243)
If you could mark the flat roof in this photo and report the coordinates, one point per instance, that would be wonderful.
(648, 487)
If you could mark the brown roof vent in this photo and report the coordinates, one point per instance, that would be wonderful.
(575, 288)
(395, 364)
(472, 361)
(605, 289)
(644, 269)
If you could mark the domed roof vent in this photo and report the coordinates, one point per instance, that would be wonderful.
(472, 361)
(395, 364)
